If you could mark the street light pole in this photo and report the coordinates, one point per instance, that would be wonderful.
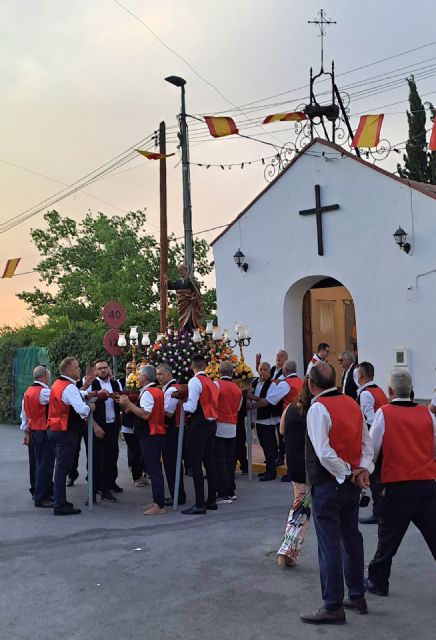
(184, 143)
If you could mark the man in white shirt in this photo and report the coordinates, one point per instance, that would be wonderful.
(349, 381)
(338, 461)
(319, 356)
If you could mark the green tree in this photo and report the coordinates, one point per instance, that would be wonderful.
(85, 264)
(419, 164)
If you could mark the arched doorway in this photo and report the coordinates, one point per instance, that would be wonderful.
(320, 309)
(329, 316)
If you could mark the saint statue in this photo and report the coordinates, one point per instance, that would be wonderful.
(189, 302)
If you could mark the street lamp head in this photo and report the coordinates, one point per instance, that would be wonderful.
(176, 81)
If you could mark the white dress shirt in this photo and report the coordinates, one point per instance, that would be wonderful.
(378, 428)
(44, 397)
(367, 402)
(346, 377)
(319, 424)
(194, 391)
(311, 364)
(170, 403)
(226, 429)
(268, 421)
(146, 400)
(73, 397)
(109, 404)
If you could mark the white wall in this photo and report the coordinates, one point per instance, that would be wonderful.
(395, 305)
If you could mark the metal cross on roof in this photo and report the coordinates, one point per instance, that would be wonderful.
(322, 22)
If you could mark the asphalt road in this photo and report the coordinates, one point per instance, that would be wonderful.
(115, 574)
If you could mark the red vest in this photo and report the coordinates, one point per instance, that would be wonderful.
(379, 397)
(408, 444)
(35, 411)
(58, 411)
(208, 397)
(229, 400)
(294, 383)
(345, 435)
(156, 421)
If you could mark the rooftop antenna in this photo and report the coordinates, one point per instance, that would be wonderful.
(322, 23)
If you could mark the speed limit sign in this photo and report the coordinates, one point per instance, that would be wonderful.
(114, 314)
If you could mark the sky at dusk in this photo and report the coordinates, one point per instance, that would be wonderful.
(83, 81)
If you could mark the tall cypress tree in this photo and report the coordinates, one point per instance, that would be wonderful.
(418, 164)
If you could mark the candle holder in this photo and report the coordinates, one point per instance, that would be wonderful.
(134, 346)
(243, 338)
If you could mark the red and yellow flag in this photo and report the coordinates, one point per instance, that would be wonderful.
(368, 131)
(295, 116)
(221, 126)
(150, 155)
(432, 143)
(11, 267)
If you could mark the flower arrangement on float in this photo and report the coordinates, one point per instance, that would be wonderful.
(176, 348)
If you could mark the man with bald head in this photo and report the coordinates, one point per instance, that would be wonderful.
(339, 459)
(34, 413)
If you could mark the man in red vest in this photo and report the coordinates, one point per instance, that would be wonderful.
(338, 462)
(405, 434)
(149, 425)
(34, 420)
(370, 398)
(202, 404)
(172, 421)
(229, 403)
(66, 412)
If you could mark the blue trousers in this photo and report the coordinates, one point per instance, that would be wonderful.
(152, 449)
(335, 511)
(64, 444)
(44, 463)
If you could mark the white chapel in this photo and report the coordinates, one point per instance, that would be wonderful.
(336, 276)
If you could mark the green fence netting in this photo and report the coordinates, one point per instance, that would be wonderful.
(25, 360)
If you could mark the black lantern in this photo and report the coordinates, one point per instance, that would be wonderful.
(401, 239)
(239, 258)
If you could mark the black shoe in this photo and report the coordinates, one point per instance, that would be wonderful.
(66, 511)
(194, 511)
(70, 483)
(358, 605)
(45, 504)
(369, 586)
(286, 478)
(323, 616)
(262, 473)
(211, 506)
(116, 489)
(244, 472)
(107, 496)
(168, 502)
(369, 520)
(266, 477)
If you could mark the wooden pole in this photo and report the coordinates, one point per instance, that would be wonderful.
(163, 232)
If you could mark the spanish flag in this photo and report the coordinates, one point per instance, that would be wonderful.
(368, 131)
(150, 155)
(221, 126)
(11, 267)
(432, 143)
(295, 116)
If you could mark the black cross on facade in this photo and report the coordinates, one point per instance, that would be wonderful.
(318, 210)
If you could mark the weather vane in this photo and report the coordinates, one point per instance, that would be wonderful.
(322, 22)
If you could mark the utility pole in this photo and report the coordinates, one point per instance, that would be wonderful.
(163, 230)
(184, 144)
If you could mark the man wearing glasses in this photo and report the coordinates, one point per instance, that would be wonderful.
(107, 415)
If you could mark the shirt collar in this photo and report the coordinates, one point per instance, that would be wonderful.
(70, 379)
(41, 383)
(200, 373)
(290, 375)
(401, 400)
(367, 384)
(225, 377)
(323, 393)
(169, 384)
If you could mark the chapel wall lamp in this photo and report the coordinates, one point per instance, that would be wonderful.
(239, 258)
(400, 237)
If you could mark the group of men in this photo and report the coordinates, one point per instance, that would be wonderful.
(54, 422)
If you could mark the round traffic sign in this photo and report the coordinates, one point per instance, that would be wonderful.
(110, 343)
(114, 314)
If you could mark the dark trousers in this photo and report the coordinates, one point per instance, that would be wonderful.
(64, 444)
(44, 459)
(340, 546)
(400, 504)
(32, 466)
(169, 459)
(105, 456)
(201, 441)
(73, 473)
(376, 489)
(268, 441)
(134, 458)
(225, 466)
(281, 443)
(151, 449)
(241, 445)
